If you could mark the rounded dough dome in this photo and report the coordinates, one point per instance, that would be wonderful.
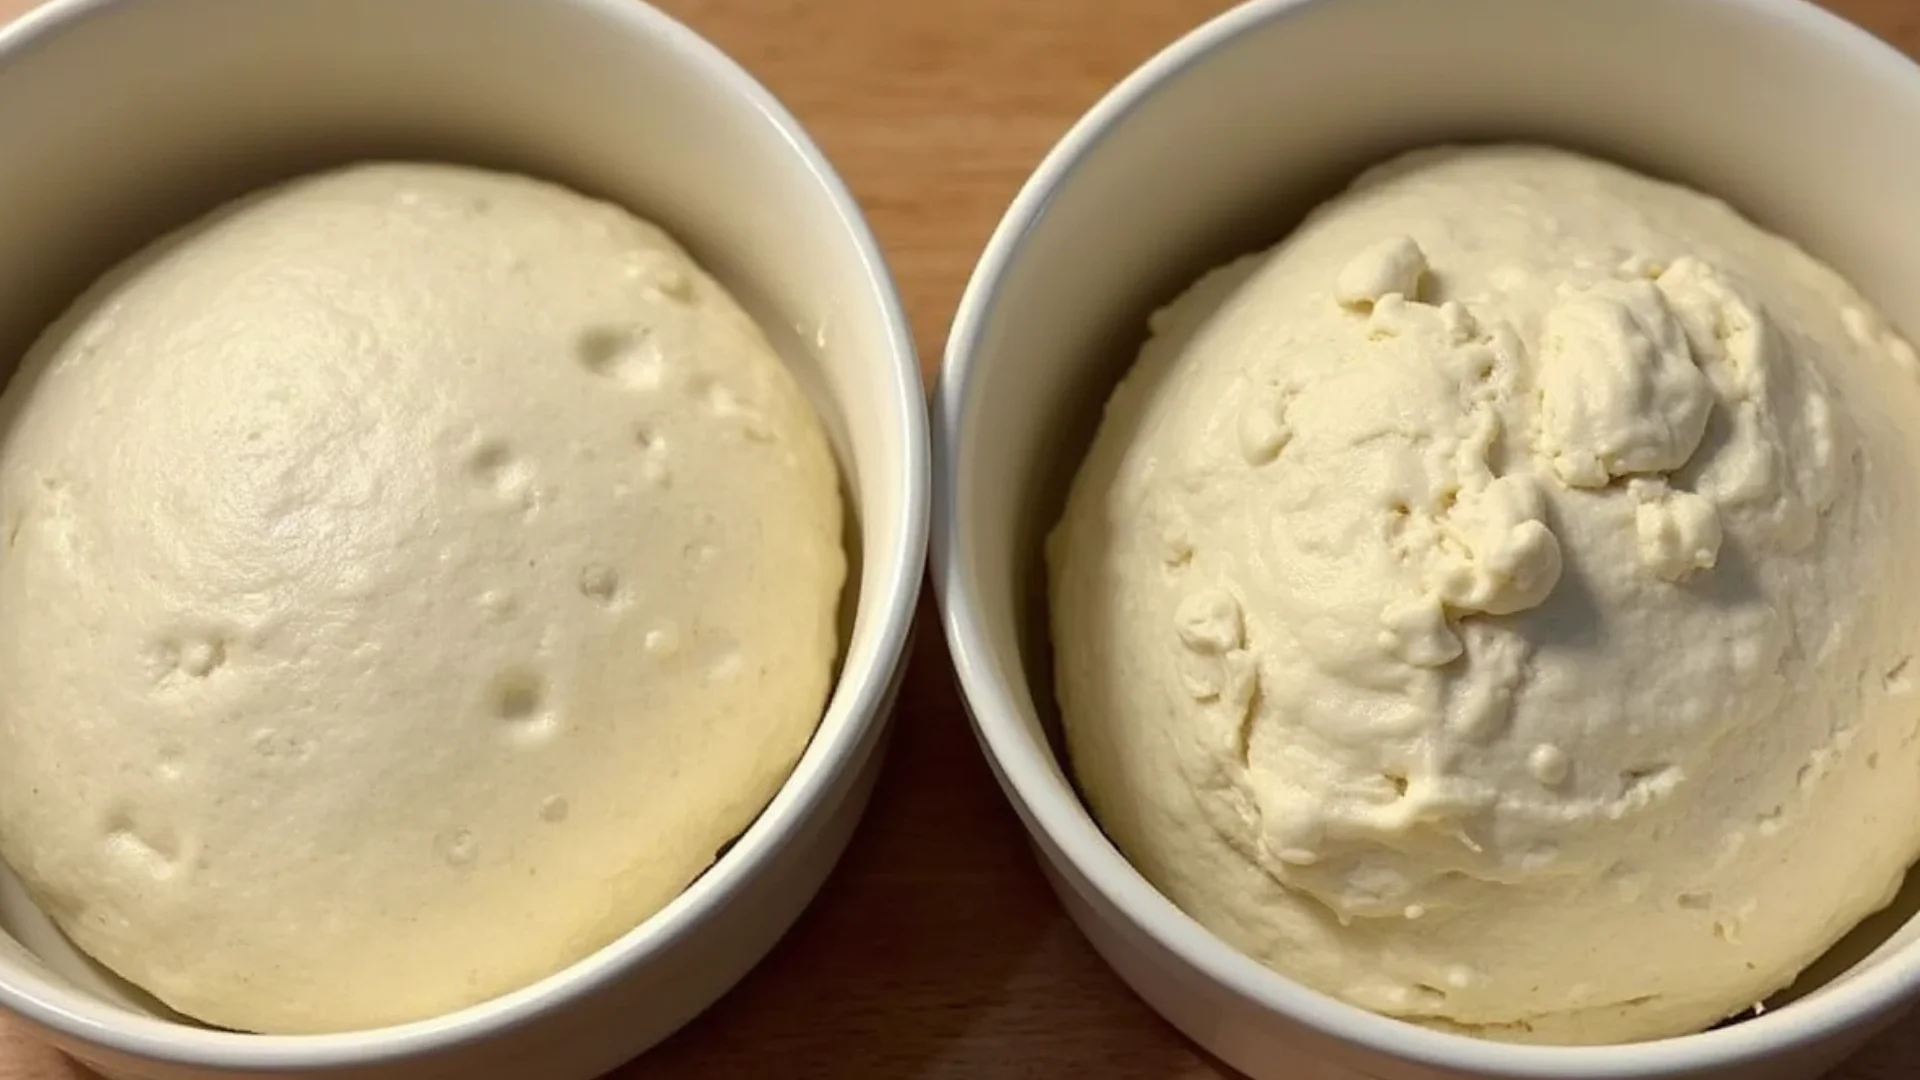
(1477, 607)
(412, 576)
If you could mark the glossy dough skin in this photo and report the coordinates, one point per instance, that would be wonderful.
(411, 576)
(1482, 607)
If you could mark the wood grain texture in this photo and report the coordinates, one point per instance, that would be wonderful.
(936, 951)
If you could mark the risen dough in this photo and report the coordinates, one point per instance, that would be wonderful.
(412, 575)
(1487, 607)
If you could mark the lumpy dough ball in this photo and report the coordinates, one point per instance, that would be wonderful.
(412, 575)
(1488, 606)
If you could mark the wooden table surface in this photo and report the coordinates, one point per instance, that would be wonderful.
(936, 951)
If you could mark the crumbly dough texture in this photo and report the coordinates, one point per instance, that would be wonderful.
(411, 576)
(1488, 606)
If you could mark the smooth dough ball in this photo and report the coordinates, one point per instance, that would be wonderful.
(1482, 607)
(412, 576)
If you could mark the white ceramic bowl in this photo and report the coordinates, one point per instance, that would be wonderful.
(1211, 150)
(119, 119)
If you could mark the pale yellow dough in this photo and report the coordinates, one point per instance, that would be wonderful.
(1491, 606)
(411, 576)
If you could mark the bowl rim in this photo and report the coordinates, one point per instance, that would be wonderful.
(1030, 775)
(858, 705)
